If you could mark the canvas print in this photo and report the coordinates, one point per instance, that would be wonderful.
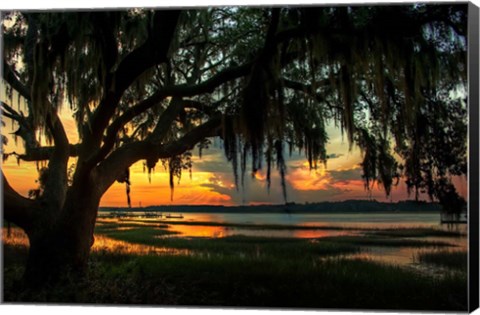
(311, 157)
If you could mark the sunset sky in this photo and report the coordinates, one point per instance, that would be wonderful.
(212, 181)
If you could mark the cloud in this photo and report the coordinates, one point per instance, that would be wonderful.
(254, 190)
(299, 161)
(213, 160)
(334, 155)
(328, 193)
(346, 175)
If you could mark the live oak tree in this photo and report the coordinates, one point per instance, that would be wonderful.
(154, 84)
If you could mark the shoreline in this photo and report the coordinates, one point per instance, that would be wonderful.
(343, 207)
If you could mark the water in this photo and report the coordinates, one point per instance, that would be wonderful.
(222, 231)
(325, 225)
(381, 220)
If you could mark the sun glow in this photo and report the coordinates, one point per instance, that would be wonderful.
(105, 244)
(102, 244)
(194, 190)
(211, 181)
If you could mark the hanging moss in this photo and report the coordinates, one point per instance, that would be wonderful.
(230, 145)
(376, 72)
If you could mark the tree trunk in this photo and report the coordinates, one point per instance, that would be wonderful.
(60, 247)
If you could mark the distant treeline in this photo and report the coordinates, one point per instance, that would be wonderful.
(347, 206)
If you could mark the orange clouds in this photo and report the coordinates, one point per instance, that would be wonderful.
(302, 178)
(213, 183)
(157, 192)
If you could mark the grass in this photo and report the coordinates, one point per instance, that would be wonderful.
(394, 232)
(374, 240)
(445, 258)
(232, 245)
(126, 267)
(417, 232)
(262, 282)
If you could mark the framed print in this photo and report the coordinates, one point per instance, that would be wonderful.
(300, 157)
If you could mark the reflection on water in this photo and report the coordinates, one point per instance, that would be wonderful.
(323, 225)
(225, 231)
(407, 257)
(320, 226)
(380, 220)
(130, 221)
(390, 255)
(198, 231)
(331, 225)
(320, 233)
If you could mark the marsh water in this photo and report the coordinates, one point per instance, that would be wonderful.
(315, 226)
(379, 220)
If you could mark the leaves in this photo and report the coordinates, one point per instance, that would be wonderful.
(384, 74)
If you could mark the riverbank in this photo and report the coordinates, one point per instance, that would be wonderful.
(146, 263)
(347, 206)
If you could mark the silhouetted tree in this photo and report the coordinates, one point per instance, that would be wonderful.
(153, 84)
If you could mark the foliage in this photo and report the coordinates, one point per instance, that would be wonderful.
(392, 77)
(224, 278)
(450, 259)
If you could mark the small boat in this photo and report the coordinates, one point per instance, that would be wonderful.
(174, 216)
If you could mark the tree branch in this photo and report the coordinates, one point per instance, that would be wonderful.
(207, 109)
(309, 90)
(153, 51)
(209, 129)
(44, 153)
(166, 119)
(12, 79)
(16, 208)
(183, 90)
(120, 122)
(13, 114)
(25, 129)
(58, 155)
(208, 86)
(112, 168)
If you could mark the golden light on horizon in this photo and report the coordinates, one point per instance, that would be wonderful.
(210, 187)
(304, 178)
(201, 230)
(104, 244)
(194, 190)
(259, 175)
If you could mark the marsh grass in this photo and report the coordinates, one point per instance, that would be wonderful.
(232, 245)
(126, 268)
(225, 280)
(104, 244)
(374, 240)
(457, 260)
(417, 232)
